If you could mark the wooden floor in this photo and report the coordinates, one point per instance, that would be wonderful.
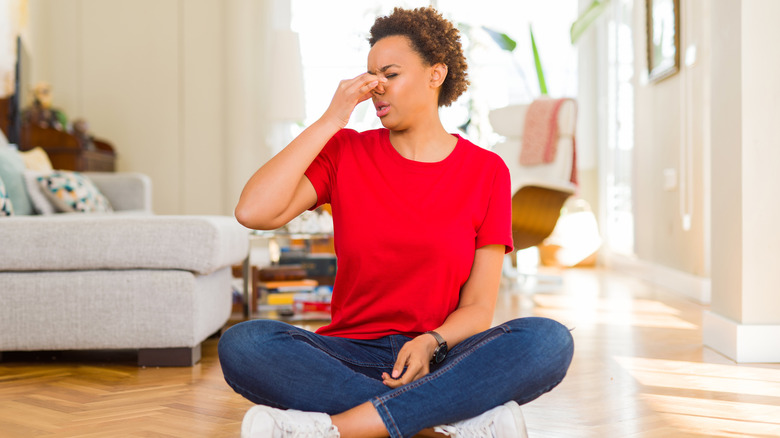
(639, 370)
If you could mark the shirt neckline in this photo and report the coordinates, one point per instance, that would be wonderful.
(419, 165)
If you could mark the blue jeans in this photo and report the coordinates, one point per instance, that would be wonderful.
(275, 364)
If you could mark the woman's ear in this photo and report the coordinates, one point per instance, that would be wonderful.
(438, 74)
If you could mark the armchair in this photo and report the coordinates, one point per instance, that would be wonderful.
(539, 190)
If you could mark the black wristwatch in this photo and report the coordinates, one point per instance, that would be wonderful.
(441, 351)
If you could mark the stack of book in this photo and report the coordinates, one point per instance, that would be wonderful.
(278, 285)
(287, 291)
(282, 293)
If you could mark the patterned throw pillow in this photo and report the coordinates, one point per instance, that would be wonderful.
(6, 208)
(73, 192)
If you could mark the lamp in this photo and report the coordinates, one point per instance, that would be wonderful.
(287, 98)
(287, 103)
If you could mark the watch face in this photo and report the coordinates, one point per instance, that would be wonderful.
(440, 353)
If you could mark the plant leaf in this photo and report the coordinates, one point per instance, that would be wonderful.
(538, 63)
(501, 39)
(583, 22)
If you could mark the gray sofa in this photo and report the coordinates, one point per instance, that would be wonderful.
(123, 280)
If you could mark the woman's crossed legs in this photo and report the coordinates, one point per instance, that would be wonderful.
(275, 364)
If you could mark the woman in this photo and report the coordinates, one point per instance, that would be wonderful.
(422, 223)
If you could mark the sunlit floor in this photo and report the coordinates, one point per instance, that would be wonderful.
(639, 367)
(639, 370)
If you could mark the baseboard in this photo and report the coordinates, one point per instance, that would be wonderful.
(742, 343)
(698, 289)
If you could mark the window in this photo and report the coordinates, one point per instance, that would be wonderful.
(619, 224)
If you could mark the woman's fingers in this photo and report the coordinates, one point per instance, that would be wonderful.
(414, 359)
(358, 87)
(366, 83)
(411, 374)
(349, 94)
(367, 90)
(400, 364)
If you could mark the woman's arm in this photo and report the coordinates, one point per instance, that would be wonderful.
(473, 315)
(279, 191)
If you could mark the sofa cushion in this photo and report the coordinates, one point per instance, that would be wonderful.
(6, 208)
(73, 192)
(11, 168)
(200, 244)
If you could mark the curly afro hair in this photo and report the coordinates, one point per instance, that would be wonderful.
(434, 38)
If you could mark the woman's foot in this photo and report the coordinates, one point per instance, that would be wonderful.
(267, 422)
(505, 421)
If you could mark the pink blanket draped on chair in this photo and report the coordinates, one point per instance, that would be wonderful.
(540, 134)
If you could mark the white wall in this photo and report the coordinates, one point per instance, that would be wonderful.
(760, 159)
(727, 159)
(175, 85)
(660, 136)
(744, 323)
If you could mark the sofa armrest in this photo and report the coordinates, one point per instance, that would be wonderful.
(124, 190)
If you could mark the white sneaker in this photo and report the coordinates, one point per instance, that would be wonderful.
(267, 422)
(505, 421)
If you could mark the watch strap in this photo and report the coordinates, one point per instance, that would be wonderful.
(438, 337)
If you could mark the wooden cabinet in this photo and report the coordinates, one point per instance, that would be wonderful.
(65, 150)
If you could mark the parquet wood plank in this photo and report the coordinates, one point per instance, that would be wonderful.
(20, 430)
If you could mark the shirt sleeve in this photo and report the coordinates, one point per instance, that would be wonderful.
(323, 170)
(496, 228)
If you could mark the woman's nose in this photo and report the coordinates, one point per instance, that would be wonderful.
(379, 89)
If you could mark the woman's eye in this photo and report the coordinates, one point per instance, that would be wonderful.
(391, 75)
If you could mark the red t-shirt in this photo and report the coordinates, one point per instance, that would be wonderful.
(406, 231)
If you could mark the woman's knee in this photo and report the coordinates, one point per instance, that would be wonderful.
(246, 339)
(553, 338)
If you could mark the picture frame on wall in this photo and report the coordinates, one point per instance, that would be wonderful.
(663, 38)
